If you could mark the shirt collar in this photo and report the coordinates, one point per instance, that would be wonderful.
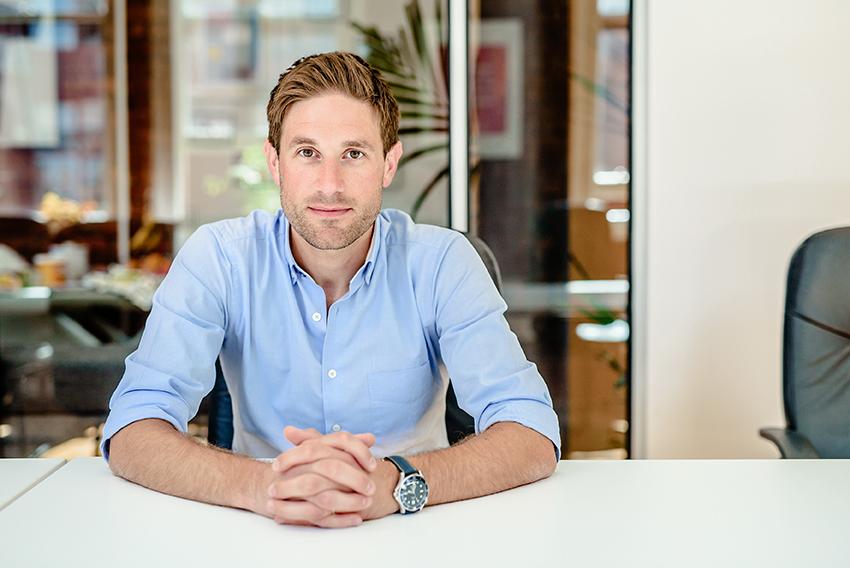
(380, 233)
(380, 229)
(294, 269)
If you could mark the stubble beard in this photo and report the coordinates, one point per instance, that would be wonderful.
(330, 234)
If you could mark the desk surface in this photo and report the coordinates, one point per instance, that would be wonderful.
(17, 476)
(630, 513)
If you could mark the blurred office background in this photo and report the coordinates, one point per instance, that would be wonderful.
(641, 170)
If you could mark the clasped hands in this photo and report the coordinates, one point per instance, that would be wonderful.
(327, 480)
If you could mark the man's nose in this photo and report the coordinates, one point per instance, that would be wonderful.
(330, 177)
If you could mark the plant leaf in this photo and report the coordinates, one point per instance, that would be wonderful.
(426, 191)
(422, 152)
(417, 29)
(421, 130)
(438, 15)
(397, 86)
(600, 91)
(413, 101)
(424, 114)
(599, 315)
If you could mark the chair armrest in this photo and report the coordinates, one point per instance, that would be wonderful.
(791, 444)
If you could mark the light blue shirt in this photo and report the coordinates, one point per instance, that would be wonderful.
(422, 308)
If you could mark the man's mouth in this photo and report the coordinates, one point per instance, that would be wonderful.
(328, 211)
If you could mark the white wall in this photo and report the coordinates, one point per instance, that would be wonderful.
(748, 114)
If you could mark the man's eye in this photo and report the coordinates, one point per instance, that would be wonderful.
(306, 153)
(355, 154)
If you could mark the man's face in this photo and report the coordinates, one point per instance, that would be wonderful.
(331, 169)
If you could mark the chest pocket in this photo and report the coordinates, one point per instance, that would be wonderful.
(400, 398)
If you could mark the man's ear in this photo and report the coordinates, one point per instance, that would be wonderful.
(391, 163)
(272, 161)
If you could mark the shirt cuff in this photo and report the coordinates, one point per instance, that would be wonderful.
(532, 414)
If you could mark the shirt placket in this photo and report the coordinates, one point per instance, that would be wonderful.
(333, 376)
(336, 384)
(315, 321)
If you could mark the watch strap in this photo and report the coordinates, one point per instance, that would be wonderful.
(402, 464)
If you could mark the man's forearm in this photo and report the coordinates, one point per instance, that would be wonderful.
(152, 453)
(504, 456)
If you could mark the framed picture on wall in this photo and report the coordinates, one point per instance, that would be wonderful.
(499, 80)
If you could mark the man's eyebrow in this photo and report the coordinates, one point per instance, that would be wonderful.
(358, 144)
(298, 140)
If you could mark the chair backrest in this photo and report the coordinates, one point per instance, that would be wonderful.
(488, 258)
(816, 359)
(459, 424)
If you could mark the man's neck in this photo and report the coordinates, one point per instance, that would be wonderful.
(331, 269)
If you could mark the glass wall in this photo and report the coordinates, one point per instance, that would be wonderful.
(549, 156)
(56, 130)
(57, 184)
(548, 185)
(230, 57)
(549, 175)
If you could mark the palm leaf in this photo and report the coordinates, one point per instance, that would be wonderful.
(417, 29)
(399, 86)
(424, 114)
(419, 83)
(442, 42)
(403, 99)
(426, 191)
(422, 152)
(408, 130)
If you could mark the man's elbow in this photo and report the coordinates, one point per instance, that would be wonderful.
(116, 449)
(122, 446)
(550, 459)
(545, 461)
(543, 458)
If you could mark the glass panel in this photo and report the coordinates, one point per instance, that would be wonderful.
(549, 192)
(55, 110)
(232, 54)
(60, 348)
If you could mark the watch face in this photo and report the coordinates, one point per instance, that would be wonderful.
(413, 493)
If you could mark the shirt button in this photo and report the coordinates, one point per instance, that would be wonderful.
(317, 316)
(332, 373)
(336, 428)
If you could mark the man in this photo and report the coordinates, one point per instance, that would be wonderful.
(331, 319)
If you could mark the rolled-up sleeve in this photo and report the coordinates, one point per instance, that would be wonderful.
(493, 380)
(174, 365)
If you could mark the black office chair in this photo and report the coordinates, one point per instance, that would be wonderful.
(459, 424)
(816, 343)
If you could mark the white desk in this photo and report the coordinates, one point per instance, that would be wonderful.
(17, 476)
(640, 513)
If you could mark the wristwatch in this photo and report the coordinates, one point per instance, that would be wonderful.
(411, 493)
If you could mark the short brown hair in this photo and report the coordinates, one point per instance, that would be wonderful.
(335, 72)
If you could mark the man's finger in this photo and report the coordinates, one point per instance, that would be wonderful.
(293, 511)
(352, 478)
(353, 445)
(367, 438)
(340, 521)
(343, 475)
(308, 453)
(340, 501)
(314, 449)
(297, 435)
(301, 486)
